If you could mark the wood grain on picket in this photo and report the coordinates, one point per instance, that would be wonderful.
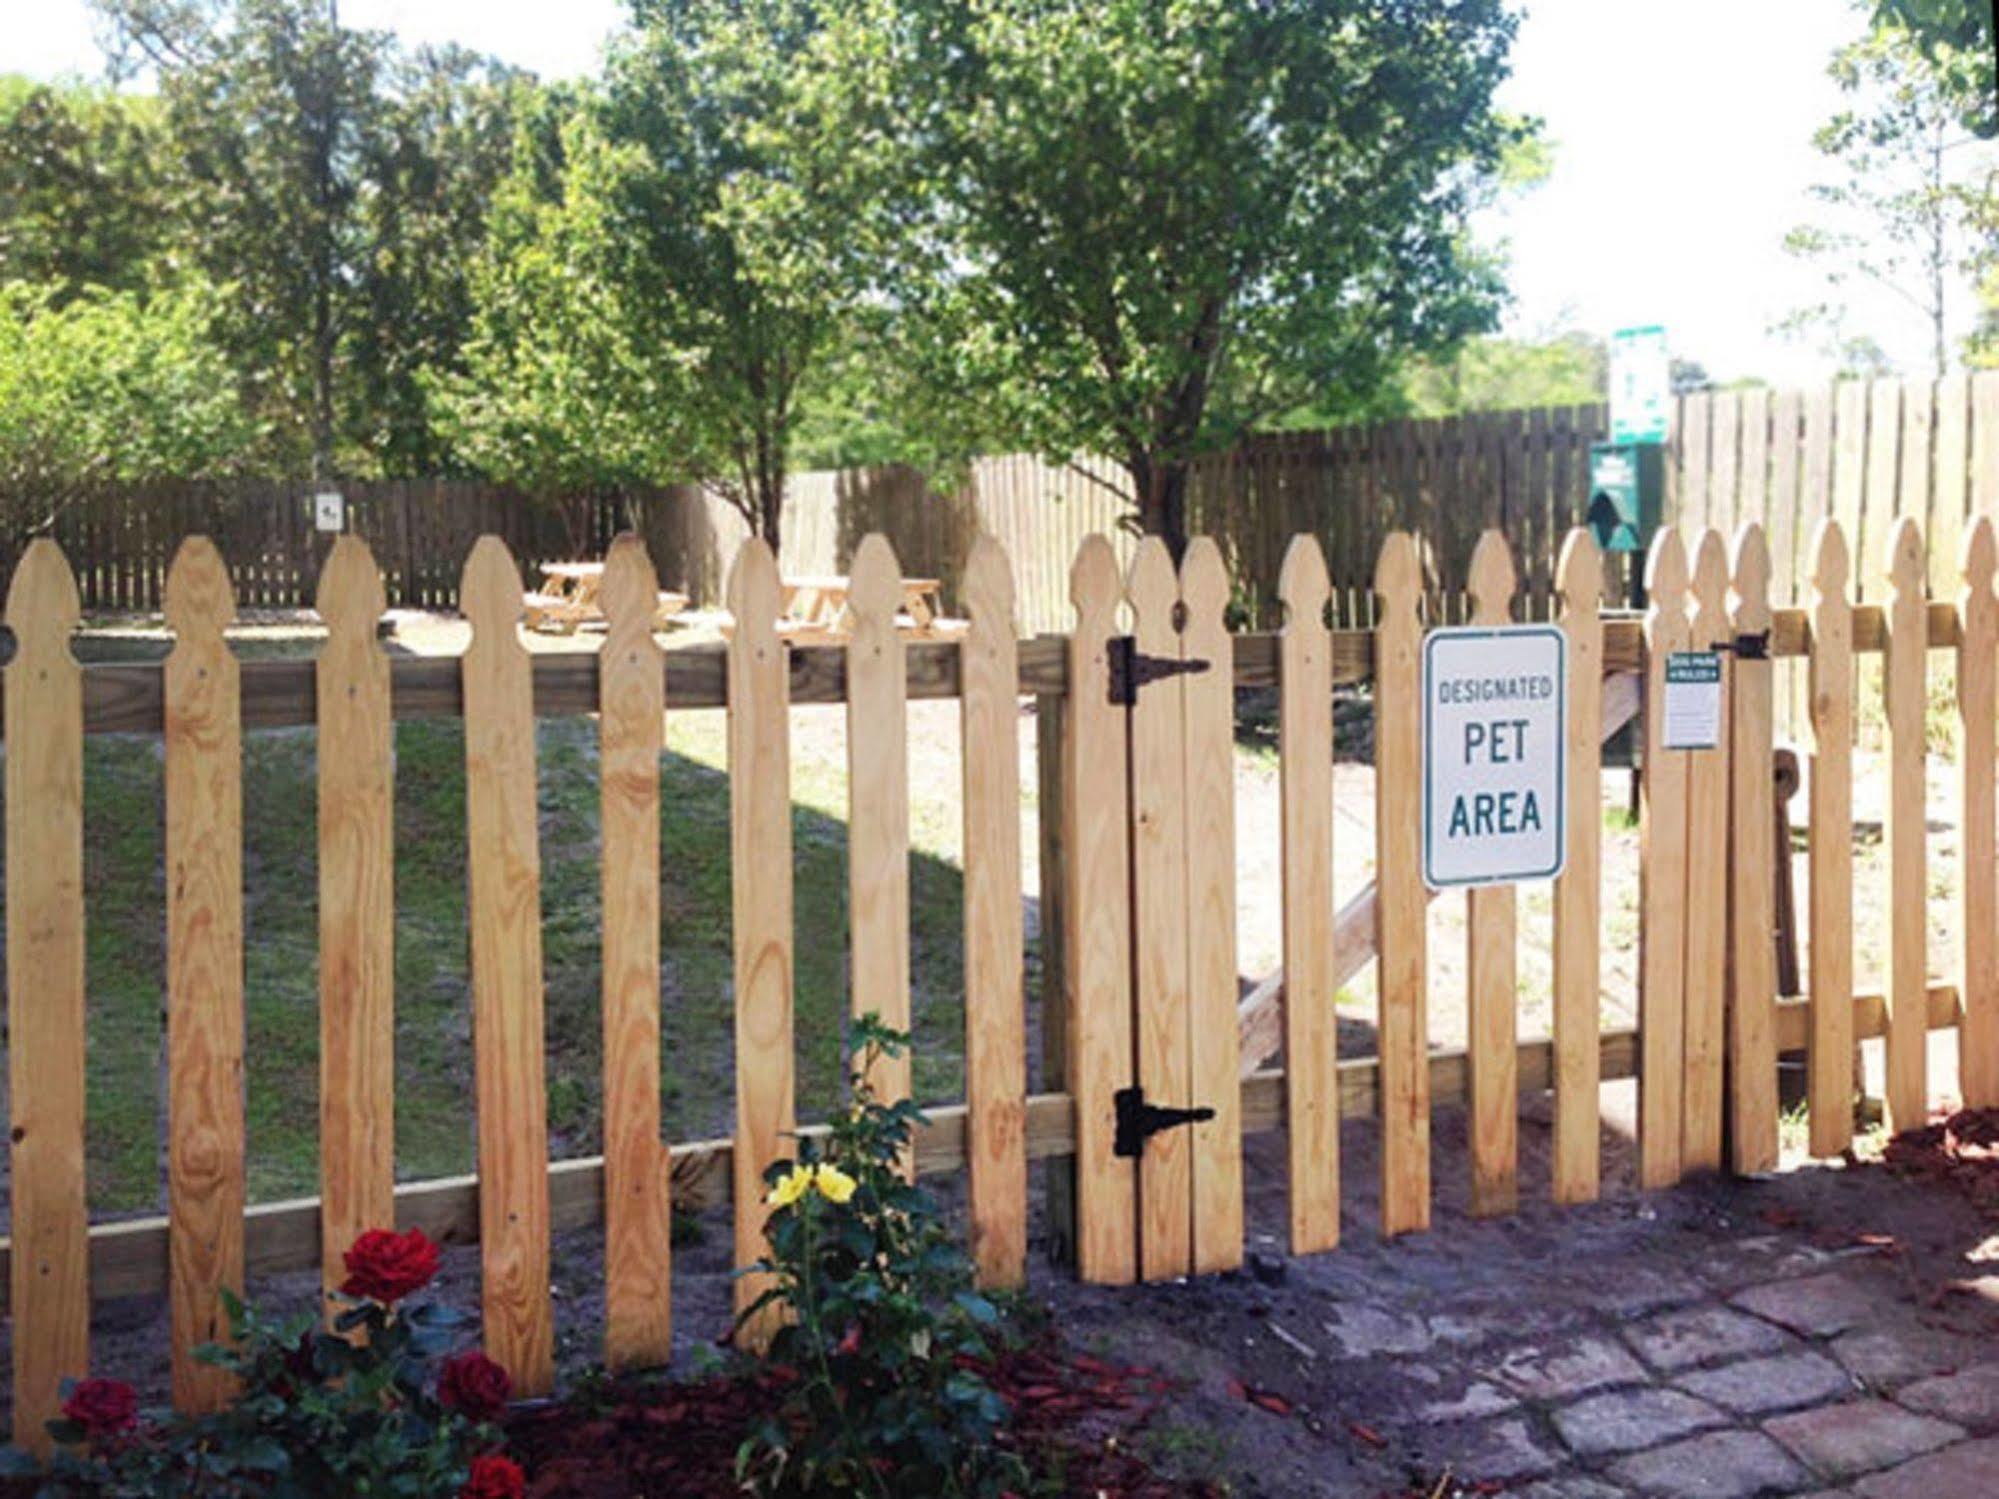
(1905, 679)
(1578, 978)
(1705, 1025)
(1829, 1062)
(1752, 856)
(1662, 929)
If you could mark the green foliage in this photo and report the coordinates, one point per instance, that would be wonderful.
(319, 1416)
(1955, 38)
(114, 386)
(882, 1319)
(1143, 229)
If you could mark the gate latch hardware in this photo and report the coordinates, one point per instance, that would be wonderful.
(1131, 669)
(1138, 1121)
(1748, 647)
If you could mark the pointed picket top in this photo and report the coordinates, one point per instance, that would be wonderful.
(1204, 581)
(754, 595)
(1905, 559)
(1303, 584)
(874, 590)
(1094, 585)
(1710, 586)
(1749, 581)
(1666, 571)
(1980, 563)
(350, 600)
(1398, 572)
(1579, 572)
(1150, 583)
(987, 585)
(43, 605)
(1832, 566)
(489, 596)
(1492, 580)
(630, 595)
(198, 602)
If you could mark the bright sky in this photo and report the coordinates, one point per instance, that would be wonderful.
(1682, 138)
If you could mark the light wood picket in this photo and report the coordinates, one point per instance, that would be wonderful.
(357, 911)
(49, 1289)
(1662, 880)
(1752, 855)
(631, 727)
(1208, 696)
(204, 802)
(1491, 991)
(878, 804)
(1311, 1026)
(1159, 929)
(1905, 686)
(1401, 906)
(1706, 914)
(1830, 1080)
(761, 908)
(995, 1010)
(1097, 941)
(1978, 851)
(1578, 891)
(503, 850)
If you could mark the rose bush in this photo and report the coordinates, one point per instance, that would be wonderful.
(320, 1414)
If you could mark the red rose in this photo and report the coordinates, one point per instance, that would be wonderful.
(386, 1267)
(494, 1477)
(102, 1407)
(473, 1385)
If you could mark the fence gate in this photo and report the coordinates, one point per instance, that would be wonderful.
(1150, 791)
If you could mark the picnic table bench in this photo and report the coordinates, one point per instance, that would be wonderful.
(567, 599)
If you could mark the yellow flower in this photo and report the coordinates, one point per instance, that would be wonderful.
(793, 1185)
(834, 1184)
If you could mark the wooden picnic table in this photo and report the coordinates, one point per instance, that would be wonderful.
(567, 599)
(819, 604)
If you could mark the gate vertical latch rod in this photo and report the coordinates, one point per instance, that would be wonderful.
(1138, 1121)
(1131, 669)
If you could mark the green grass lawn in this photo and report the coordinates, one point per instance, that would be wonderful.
(125, 914)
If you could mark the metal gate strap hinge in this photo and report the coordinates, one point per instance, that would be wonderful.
(1131, 669)
(1748, 647)
(1138, 1121)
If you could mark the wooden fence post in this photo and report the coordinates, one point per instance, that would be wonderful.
(631, 727)
(1209, 705)
(1492, 932)
(1978, 909)
(504, 854)
(1311, 1020)
(1705, 978)
(1752, 855)
(1829, 983)
(1401, 903)
(761, 901)
(357, 911)
(49, 1283)
(204, 798)
(1662, 840)
(1578, 892)
(1906, 677)
(995, 1001)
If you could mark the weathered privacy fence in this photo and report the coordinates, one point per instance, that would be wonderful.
(1139, 903)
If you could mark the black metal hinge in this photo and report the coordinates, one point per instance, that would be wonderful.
(1748, 647)
(1131, 669)
(1138, 1121)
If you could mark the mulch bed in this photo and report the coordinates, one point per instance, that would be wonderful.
(1073, 1420)
(1959, 1150)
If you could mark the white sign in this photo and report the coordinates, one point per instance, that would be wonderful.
(1692, 719)
(1495, 716)
(1641, 385)
(329, 511)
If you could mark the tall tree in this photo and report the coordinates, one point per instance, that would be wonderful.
(1144, 229)
(1955, 37)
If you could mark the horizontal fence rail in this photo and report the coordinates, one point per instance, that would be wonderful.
(1704, 1052)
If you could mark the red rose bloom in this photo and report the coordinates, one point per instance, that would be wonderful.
(494, 1477)
(102, 1407)
(386, 1267)
(474, 1386)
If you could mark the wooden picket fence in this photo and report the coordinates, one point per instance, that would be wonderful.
(1138, 892)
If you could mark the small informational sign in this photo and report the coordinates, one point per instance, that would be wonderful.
(1692, 715)
(1641, 385)
(1495, 714)
(329, 511)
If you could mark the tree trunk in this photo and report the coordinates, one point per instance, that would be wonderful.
(1161, 487)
